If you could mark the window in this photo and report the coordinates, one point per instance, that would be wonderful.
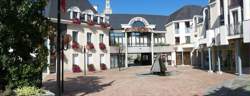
(177, 27)
(187, 24)
(235, 17)
(116, 38)
(222, 21)
(95, 18)
(75, 15)
(75, 36)
(89, 37)
(75, 59)
(177, 40)
(101, 19)
(138, 24)
(188, 39)
(101, 38)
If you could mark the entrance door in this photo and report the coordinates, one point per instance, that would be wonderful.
(146, 59)
(178, 58)
(187, 60)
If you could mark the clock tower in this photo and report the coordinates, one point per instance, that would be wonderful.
(107, 9)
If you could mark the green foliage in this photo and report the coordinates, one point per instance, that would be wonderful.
(23, 28)
(29, 91)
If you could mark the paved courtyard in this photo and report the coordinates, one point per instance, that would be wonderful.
(185, 81)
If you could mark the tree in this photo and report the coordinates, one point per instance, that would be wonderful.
(23, 31)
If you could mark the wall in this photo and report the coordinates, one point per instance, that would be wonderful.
(82, 40)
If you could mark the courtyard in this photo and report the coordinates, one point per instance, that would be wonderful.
(135, 81)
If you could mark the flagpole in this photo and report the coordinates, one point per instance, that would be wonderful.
(58, 80)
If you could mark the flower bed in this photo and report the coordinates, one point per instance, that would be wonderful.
(75, 45)
(103, 66)
(90, 22)
(76, 69)
(76, 21)
(102, 46)
(90, 46)
(91, 67)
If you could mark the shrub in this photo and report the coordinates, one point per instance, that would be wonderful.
(29, 91)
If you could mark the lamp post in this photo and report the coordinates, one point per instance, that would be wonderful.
(85, 70)
(58, 49)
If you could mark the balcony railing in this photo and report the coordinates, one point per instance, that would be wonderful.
(177, 31)
(188, 30)
(235, 29)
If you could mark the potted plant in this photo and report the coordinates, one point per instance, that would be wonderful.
(75, 45)
(103, 66)
(90, 22)
(102, 46)
(91, 67)
(76, 69)
(76, 21)
(90, 46)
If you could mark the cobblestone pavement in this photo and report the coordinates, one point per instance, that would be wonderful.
(186, 82)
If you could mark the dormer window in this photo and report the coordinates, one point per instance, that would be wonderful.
(101, 19)
(75, 15)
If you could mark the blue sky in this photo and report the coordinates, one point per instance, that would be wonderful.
(157, 7)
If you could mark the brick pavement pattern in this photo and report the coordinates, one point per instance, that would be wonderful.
(187, 81)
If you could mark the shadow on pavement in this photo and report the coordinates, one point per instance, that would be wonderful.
(230, 92)
(79, 86)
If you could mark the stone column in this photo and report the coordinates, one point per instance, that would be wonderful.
(238, 58)
(126, 49)
(210, 60)
(219, 62)
(152, 48)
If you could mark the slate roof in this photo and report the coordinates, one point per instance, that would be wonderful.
(81, 4)
(117, 19)
(186, 12)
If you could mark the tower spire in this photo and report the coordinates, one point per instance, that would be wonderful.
(107, 9)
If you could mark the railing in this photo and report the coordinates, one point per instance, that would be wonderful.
(139, 45)
(235, 29)
(177, 31)
(188, 30)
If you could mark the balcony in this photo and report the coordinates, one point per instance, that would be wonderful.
(235, 31)
(177, 31)
(188, 30)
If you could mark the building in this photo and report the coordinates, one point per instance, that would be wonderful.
(224, 40)
(86, 36)
(215, 37)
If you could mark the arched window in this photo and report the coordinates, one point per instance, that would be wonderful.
(138, 24)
